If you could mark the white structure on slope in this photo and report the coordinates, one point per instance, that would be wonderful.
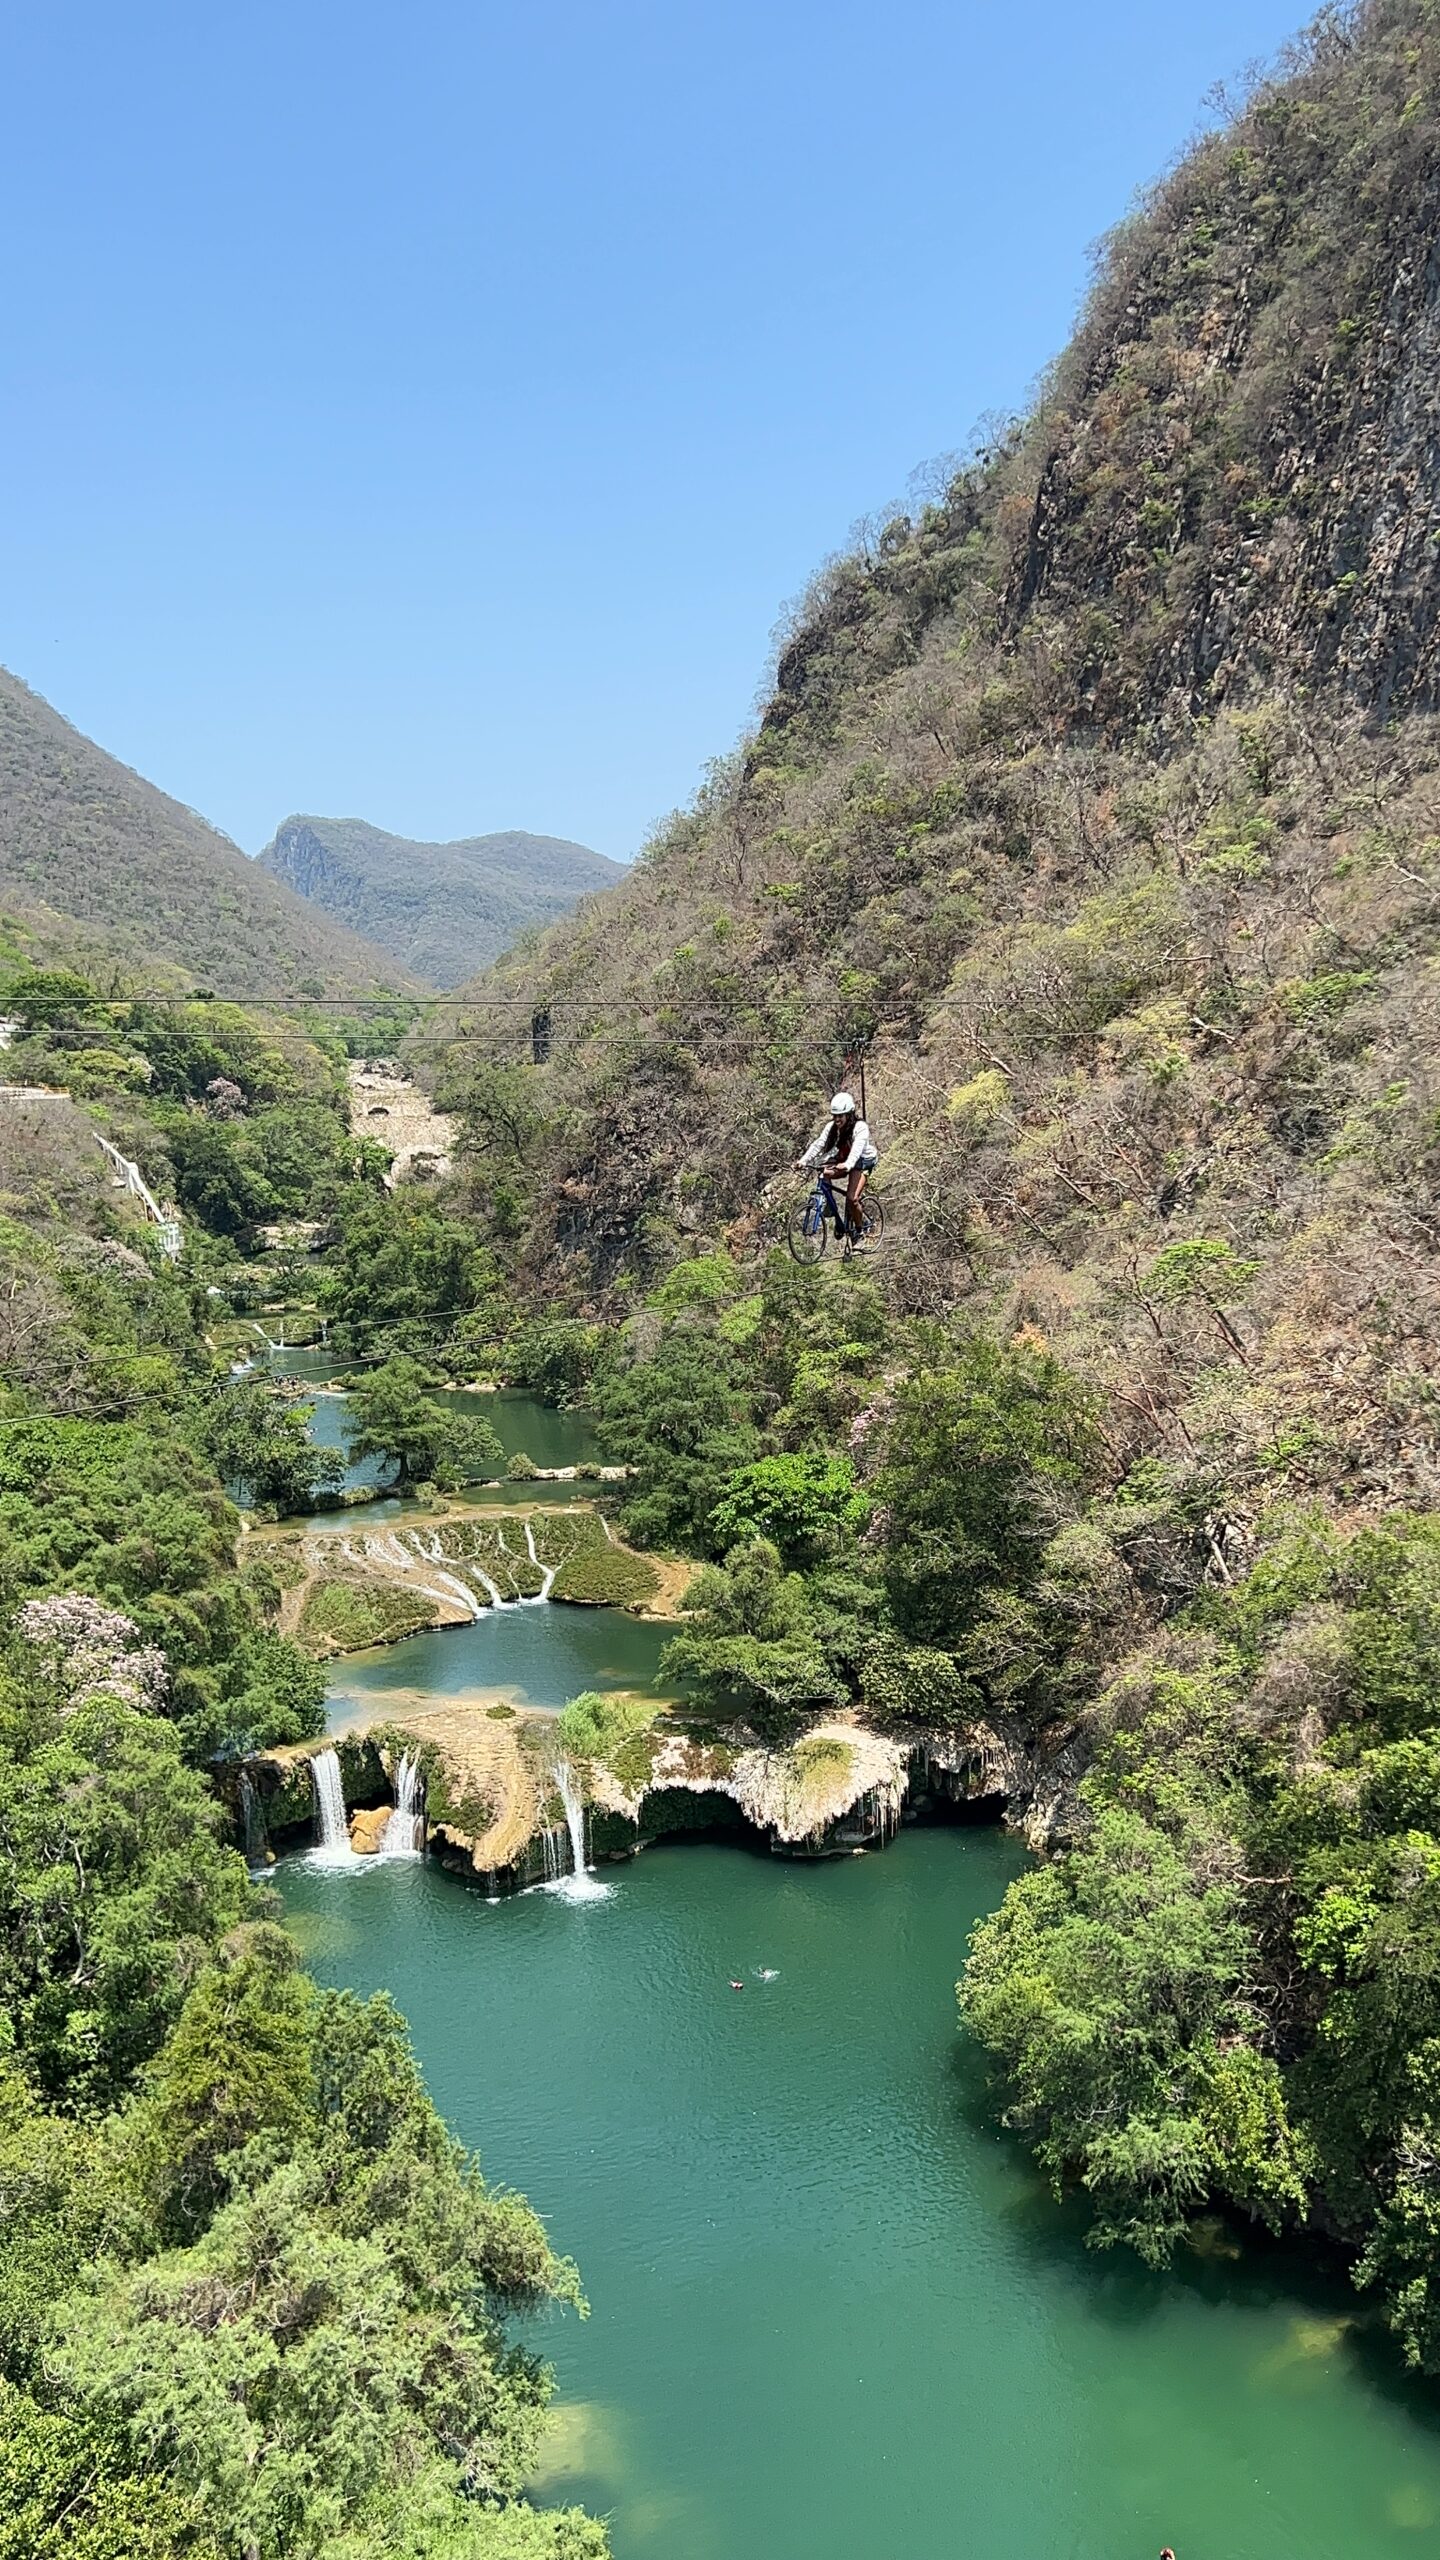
(129, 1177)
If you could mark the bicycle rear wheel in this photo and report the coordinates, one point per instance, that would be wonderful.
(872, 1222)
(808, 1230)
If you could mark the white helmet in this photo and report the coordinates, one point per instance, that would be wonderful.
(841, 1104)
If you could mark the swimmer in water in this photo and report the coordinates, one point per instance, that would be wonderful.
(734, 1985)
(1167, 2553)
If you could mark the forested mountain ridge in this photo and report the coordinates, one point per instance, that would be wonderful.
(443, 910)
(1102, 801)
(1103, 797)
(98, 867)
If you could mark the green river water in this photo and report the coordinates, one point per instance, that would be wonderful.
(547, 1435)
(836, 2317)
(535, 1657)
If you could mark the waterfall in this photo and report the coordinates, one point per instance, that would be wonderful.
(401, 1831)
(461, 1591)
(580, 1885)
(574, 1804)
(426, 1543)
(497, 1597)
(332, 1848)
(547, 1571)
(252, 1821)
(434, 1553)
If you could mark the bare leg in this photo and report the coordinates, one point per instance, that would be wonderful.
(854, 1186)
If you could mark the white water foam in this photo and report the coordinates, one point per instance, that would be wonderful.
(332, 1847)
(581, 1884)
(547, 1571)
(402, 1831)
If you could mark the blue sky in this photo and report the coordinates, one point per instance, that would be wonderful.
(425, 413)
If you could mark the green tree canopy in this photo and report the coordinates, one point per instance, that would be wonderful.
(258, 1440)
(681, 1421)
(754, 1654)
(982, 1455)
(801, 1501)
(411, 1270)
(1111, 1989)
(331, 2336)
(399, 1420)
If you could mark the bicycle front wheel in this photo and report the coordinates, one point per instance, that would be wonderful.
(808, 1230)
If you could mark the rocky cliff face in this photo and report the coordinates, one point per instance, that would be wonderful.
(444, 909)
(298, 856)
(1240, 460)
(491, 1801)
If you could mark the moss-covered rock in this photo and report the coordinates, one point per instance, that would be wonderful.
(601, 1576)
(450, 1803)
(341, 1615)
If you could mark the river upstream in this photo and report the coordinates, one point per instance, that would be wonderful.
(535, 1657)
(835, 2314)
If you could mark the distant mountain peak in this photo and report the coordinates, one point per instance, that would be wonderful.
(442, 910)
(97, 864)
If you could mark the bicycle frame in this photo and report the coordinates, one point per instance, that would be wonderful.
(824, 1192)
(806, 1232)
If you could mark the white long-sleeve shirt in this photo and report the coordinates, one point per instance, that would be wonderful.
(859, 1146)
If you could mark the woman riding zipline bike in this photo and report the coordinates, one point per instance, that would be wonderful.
(843, 1148)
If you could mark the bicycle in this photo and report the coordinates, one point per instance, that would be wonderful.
(809, 1230)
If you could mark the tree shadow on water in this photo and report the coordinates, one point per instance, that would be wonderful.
(1227, 2265)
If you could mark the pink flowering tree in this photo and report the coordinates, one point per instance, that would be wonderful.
(86, 1649)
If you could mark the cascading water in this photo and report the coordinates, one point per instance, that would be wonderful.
(547, 1571)
(252, 1821)
(402, 1831)
(574, 1804)
(580, 1885)
(462, 1592)
(332, 1848)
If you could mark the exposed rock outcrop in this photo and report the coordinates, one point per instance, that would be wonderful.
(386, 1106)
(491, 1797)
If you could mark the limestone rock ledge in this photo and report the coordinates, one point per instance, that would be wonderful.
(492, 1806)
(795, 1796)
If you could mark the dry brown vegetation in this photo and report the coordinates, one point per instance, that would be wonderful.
(1104, 799)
